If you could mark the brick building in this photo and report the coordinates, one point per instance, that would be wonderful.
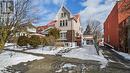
(69, 26)
(117, 27)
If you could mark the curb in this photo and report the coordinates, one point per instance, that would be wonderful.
(118, 55)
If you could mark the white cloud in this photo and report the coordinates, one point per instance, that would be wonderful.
(91, 3)
(96, 10)
(44, 13)
(57, 1)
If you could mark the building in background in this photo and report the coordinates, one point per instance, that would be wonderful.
(26, 29)
(117, 27)
(69, 26)
(6, 10)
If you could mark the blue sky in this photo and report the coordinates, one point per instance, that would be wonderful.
(45, 10)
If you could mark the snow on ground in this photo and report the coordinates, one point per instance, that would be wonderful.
(87, 53)
(67, 65)
(8, 44)
(8, 58)
(103, 62)
(125, 55)
(51, 50)
(13, 47)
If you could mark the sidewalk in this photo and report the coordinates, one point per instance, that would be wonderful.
(122, 58)
(122, 55)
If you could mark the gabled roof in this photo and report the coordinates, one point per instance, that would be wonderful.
(61, 9)
(42, 27)
(50, 24)
(76, 17)
(28, 24)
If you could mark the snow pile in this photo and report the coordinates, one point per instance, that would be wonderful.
(46, 50)
(69, 65)
(87, 53)
(103, 62)
(66, 66)
(125, 55)
(9, 44)
(8, 58)
(13, 47)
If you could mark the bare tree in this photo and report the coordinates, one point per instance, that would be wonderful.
(19, 16)
(94, 28)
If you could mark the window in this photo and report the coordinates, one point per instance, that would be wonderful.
(7, 7)
(60, 23)
(60, 35)
(62, 15)
(63, 35)
(63, 22)
(66, 23)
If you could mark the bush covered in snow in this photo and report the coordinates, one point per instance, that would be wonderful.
(34, 41)
(22, 41)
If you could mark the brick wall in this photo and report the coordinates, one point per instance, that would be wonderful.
(70, 35)
(111, 35)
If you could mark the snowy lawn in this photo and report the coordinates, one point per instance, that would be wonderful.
(51, 50)
(12, 46)
(16, 48)
(8, 58)
(125, 55)
(87, 53)
(9, 44)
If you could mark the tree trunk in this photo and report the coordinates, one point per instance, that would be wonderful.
(2, 47)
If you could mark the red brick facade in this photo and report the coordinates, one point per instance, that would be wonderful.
(115, 24)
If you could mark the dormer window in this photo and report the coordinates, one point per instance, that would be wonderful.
(63, 15)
